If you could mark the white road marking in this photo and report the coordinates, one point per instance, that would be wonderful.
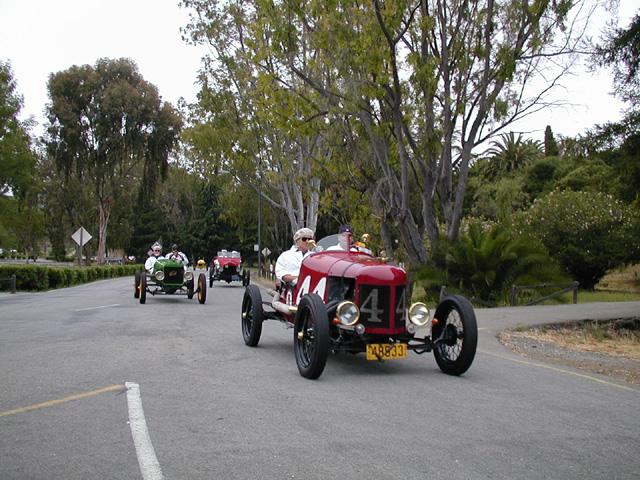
(96, 308)
(149, 466)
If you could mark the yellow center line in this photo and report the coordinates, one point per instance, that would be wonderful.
(62, 400)
(562, 370)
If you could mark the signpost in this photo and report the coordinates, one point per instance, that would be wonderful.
(81, 236)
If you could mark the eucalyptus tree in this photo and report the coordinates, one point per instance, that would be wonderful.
(17, 159)
(109, 129)
(249, 119)
(423, 82)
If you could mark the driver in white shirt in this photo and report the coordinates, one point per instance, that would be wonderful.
(289, 262)
(156, 254)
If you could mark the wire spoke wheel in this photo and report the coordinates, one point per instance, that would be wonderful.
(456, 335)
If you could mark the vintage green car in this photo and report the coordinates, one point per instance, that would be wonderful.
(170, 278)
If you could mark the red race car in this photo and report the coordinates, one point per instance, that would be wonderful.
(227, 267)
(348, 301)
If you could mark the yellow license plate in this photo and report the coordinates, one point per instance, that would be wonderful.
(376, 351)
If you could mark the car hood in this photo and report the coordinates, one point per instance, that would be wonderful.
(365, 268)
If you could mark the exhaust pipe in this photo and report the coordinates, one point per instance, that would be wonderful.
(281, 306)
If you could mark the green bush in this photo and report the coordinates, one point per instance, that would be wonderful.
(588, 233)
(39, 277)
(486, 260)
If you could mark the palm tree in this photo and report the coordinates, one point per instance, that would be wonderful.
(510, 153)
(486, 261)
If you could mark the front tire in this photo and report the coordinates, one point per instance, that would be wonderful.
(311, 336)
(143, 287)
(190, 290)
(202, 288)
(252, 315)
(459, 332)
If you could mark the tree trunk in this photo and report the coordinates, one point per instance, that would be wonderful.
(105, 210)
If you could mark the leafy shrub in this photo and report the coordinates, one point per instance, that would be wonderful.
(487, 260)
(588, 233)
(40, 277)
(58, 277)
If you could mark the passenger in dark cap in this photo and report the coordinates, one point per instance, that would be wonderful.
(345, 232)
(178, 256)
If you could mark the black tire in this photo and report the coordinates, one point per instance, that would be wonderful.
(457, 324)
(136, 284)
(252, 315)
(190, 290)
(143, 287)
(210, 278)
(202, 288)
(243, 278)
(248, 279)
(311, 336)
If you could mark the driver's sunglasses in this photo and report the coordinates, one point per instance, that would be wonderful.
(306, 239)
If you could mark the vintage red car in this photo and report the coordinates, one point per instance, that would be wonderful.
(350, 301)
(227, 267)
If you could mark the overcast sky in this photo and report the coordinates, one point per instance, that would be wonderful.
(40, 37)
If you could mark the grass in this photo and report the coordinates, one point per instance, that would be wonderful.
(606, 296)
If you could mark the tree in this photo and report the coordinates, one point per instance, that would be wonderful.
(420, 83)
(509, 154)
(550, 144)
(26, 222)
(621, 50)
(109, 129)
(17, 161)
(588, 233)
(248, 124)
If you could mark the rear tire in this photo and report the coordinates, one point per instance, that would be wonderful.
(202, 288)
(311, 336)
(190, 290)
(143, 287)
(457, 325)
(252, 315)
(136, 284)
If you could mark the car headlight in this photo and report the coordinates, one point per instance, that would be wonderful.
(419, 314)
(188, 276)
(159, 275)
(347, 313)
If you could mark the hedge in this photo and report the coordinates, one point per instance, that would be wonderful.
(35, 278)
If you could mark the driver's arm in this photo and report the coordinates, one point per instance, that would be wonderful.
(289, 278)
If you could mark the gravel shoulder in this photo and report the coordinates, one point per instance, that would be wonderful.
(621, 367)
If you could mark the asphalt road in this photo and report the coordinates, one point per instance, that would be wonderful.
(209, 407)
